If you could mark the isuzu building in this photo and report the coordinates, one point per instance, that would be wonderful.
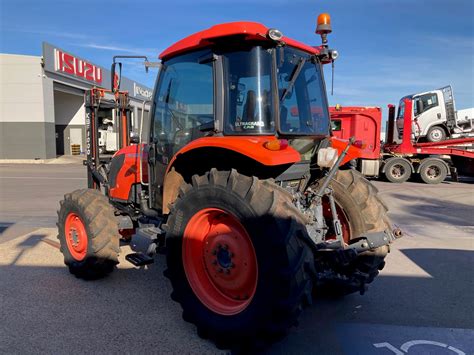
(42, 102)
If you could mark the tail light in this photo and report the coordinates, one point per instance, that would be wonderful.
(276, 144)
(359, 144)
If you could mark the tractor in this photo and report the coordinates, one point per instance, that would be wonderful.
(238, 177)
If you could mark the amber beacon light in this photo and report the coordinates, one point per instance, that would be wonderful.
(323, 26)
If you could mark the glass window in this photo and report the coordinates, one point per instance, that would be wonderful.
(401, 109)
(336, 125)
(303, 107)
(249, 102)
(184, 102)
(424, 103)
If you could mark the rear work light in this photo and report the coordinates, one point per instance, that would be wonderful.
(277, 144)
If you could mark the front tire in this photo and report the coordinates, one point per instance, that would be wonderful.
(397, 170)
(360, 211)
(88, 234)
(436, 134)
(237, 259)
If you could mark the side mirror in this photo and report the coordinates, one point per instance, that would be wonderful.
(115, 78)
(418, 107)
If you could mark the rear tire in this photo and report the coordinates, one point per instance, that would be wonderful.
(365, 213)
(436, 134)
(283, 285)
(397, 170)
(88, 234)
(433, 171)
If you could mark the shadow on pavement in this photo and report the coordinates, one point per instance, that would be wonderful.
(443, 300)
(434, 209)
(45, 309)
(4, 226)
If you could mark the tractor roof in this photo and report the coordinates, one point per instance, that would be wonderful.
(205, 38)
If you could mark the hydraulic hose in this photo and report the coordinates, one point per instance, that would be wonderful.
(145, 209)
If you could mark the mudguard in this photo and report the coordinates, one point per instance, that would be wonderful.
(353, 152)
(124, 172)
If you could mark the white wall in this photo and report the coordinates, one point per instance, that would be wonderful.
(68, 109)
(21, 90)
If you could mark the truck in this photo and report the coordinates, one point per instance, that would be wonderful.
(399, 159)
(435, 118)
(251, 229)
(107, 137)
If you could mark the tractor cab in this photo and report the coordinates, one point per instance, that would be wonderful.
(235, 80)
(262, 88)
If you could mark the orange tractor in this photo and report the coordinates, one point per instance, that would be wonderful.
(251, 199)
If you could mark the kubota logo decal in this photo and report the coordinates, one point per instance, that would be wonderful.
(67, 63)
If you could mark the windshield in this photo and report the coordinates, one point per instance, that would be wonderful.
(303, 105)
(249, 104)
(401, 109)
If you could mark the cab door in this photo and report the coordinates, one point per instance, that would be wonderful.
(427, 112)
(183, 110)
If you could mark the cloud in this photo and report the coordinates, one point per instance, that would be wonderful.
(152, 53)
(462, 42)
(52, 33)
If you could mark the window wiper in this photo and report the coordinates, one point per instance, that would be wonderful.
(293, 78)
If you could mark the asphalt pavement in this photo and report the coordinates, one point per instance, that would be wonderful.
(421, 303)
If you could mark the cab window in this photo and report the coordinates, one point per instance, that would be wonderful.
(424, 103)
(336, 125)
(303, 105)
(183, 103)
(249, 100)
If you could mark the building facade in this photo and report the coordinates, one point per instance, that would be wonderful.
(42, 109)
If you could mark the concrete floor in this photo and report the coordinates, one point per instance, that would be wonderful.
(421, 303)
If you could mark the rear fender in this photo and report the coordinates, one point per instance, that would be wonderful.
(251, 146)
(124, 172)
(245, 154)
(353, 152)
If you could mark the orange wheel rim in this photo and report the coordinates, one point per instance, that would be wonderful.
(76, 236)
(219, 261)
(345, 225)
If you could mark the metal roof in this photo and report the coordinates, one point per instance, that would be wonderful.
(205, 38)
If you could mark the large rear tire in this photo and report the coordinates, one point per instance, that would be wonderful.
(433, 171)
(360, 211)
(88, 234)
(397, 170)
(237, 259)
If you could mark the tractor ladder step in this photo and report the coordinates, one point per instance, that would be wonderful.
(139, 259)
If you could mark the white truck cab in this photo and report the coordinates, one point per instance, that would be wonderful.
(435, 117)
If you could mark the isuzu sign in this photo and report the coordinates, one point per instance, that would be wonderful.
(138, 90)
(69, 64)
(85, 73)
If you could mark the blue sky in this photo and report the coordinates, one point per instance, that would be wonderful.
(387, 48)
